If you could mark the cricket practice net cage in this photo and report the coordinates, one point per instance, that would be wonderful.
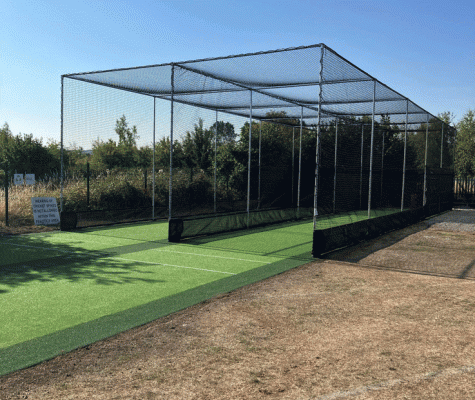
(217, 144)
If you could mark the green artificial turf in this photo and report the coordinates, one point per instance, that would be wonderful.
(333, 220)
(33, 351)
(60, 291)
(64, 290)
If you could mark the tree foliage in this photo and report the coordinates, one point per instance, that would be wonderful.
(465, 149)
(122, 154)
(23, 153)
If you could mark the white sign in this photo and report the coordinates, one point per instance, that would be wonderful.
(45, 210)
(30, 179)
(18, 179)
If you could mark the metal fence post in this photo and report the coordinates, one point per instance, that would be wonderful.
(317, 151)
(334, 172)
(249, 163)
(62, 146)
(361, 166)
(371, 152)
(153, 161)
(404, 160)
(88, 192)
(442, 146)
(215, 161)
(293, 166)
(382, 170)
(259, 183)
(170, 185)
(424, 200)
(300, 164)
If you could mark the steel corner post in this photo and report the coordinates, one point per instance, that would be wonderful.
(170, 184)
(317, 150)
(371, 150)
(404, 158)
(249, 163)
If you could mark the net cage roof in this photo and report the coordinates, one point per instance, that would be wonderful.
(284, 86)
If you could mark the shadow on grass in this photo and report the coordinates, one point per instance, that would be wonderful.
(41, 261)
(265, 241)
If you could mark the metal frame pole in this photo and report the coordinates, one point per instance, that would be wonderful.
(361, 166)
(424, 200)
(153, 160)
(249, 163)
(382, 168)
(300, 169)
(317, 150)
(442, 146)
(371, 152)
(334, 172)
(293, 166)
(259, 183)
(404, 161)
(170, 184)
(215, 161)
(62, 147)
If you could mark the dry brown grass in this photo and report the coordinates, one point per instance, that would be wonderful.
(19, 203)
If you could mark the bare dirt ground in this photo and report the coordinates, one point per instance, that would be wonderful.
(356, 325)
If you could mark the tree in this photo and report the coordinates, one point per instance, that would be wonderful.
(6, 138)
(123, 154)
(162, 153)
(198, 148)
(465, 148)
(23, 153)
(225, 132)
(127, 137)
(226, 163)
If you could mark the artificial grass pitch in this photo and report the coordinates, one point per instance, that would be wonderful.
(344, 218)
(60, 291)
(65, 290)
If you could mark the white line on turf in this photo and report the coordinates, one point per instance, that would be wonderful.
(171, 265)
(207, 255)
(164, 251)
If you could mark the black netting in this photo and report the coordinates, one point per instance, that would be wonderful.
(245, 131)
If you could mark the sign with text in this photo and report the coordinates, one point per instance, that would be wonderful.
(30, 179)
(45, 210)
(18, 179)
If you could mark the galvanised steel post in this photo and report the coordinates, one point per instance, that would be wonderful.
(317, 150)
(153, 161)
(293, 165)
(249, 163)
(371, 151)
(442, 146)
(404, 161)
(62, 147)
(334, 172)
(215, 160)
(361, 166)
(170, 184)
(259, 183)
(300, 165)
(382, 169)
(425, 163)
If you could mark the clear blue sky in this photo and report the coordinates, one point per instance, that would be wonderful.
(423, 49)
